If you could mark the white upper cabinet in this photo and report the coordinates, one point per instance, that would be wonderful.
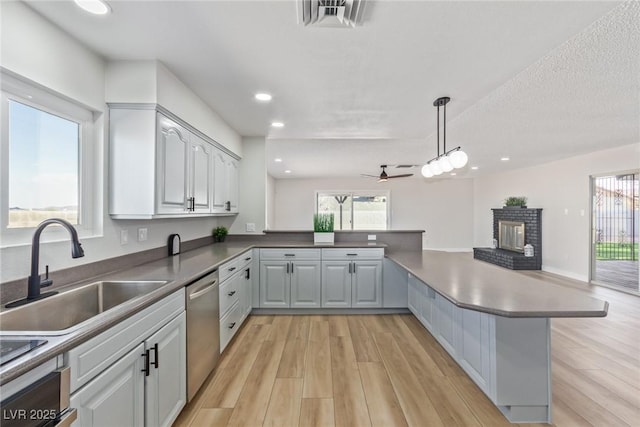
(160, 168)
(225, 192)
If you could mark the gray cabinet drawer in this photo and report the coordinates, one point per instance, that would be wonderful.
(352, 253)
(289, 254)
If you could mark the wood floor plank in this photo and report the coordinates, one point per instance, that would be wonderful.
(212, 417)
(295, 349)
(285, 403)
(280, 328)
(348, 395)
(415, 403)
(382, 402)
(483, 409)
(338, 326)
(363, 343)
(225, 388)
(317, 372)
(317, 413)
(252, 404)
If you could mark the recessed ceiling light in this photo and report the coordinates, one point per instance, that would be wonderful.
(262, 96)
(277, 160)
(97, 7)
(475, 168)
(504, 159)
(277, 124)
(287, 171)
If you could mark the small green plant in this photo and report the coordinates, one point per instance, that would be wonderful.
(515, 201)
(323, 223)
(219, 234)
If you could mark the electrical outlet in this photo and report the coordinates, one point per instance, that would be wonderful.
(142, 234)
(124, 237)
(250, 226)
(371, 237)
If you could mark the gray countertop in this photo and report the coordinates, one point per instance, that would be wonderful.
(466, 282)
(481, 286)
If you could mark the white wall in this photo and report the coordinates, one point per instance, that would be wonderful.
(443, 208)
(270, 203)
(252, 183)
(34, 48)
(555, 187)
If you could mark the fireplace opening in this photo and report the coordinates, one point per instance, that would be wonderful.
(511, 236)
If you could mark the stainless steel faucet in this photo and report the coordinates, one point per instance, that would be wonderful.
(34, 281)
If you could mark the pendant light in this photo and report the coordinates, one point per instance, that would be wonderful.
(448, 160)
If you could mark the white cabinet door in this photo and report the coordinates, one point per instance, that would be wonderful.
(447, 324)
(116, 396)
(166, 384)
(275, 284)
(232, 185)
(173, 141)
(474, 351)
(220, 188)
(366, 284)
(247, 288)
(336, 283)
(305, 284)
(201, 186)
(428, 307)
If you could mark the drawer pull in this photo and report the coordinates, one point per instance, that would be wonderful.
(248, 259)
(352, 254)
(232, 268)
(231, 326)
(232, 293)
(289, 254)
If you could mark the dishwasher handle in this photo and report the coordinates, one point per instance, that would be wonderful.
(206, 289)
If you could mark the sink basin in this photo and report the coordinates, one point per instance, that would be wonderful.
(64, 312)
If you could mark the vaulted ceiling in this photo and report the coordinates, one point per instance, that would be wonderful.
(534, 81)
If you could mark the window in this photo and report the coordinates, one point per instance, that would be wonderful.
(45, 158)
(355, 210)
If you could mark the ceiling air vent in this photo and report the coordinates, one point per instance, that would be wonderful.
(330, 13)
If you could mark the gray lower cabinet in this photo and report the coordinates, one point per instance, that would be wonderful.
(286, 284)
(366, 284)
(336, 283)
(352, 277)
(305, 284)
(133, 374)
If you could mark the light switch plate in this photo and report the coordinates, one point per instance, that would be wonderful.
(250, 226)
(142, 234)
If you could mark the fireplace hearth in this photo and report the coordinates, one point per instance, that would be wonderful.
(513, 229)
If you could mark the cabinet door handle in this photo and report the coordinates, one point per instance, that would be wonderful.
(349, 268)
(354, 267)
(146, 363)
(193, 204)
(247, 274)
(227, 206)
(231, 326)
(156, 358)
(232, 293)
(287, 268)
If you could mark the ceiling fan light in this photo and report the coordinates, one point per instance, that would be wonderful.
(445, 164)
(435, 168)
(426, 171)
(458, 159)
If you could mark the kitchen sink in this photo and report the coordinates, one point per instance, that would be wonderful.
(66, 311)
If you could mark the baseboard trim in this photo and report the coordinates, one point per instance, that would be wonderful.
(565, 273)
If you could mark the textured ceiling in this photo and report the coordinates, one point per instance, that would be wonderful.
(531, 80)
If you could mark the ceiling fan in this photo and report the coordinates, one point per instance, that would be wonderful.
(384, 177)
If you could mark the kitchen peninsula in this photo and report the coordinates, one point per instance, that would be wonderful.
(493, 322)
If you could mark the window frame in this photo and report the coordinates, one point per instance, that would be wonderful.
(15, 89)
(351, 194)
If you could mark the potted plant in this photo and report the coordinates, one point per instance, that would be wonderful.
(323, 228)
(219, 234)
(515, 202)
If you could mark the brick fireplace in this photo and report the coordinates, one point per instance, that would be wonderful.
(513, 258)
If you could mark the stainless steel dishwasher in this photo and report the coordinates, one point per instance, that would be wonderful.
(203, 330)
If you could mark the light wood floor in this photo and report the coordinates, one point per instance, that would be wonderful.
(388, 370)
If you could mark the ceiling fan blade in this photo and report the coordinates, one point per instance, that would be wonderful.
(372, 176)
(404, 175)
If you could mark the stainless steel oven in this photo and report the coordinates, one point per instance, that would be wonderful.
(42, 403)
(203, 330)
